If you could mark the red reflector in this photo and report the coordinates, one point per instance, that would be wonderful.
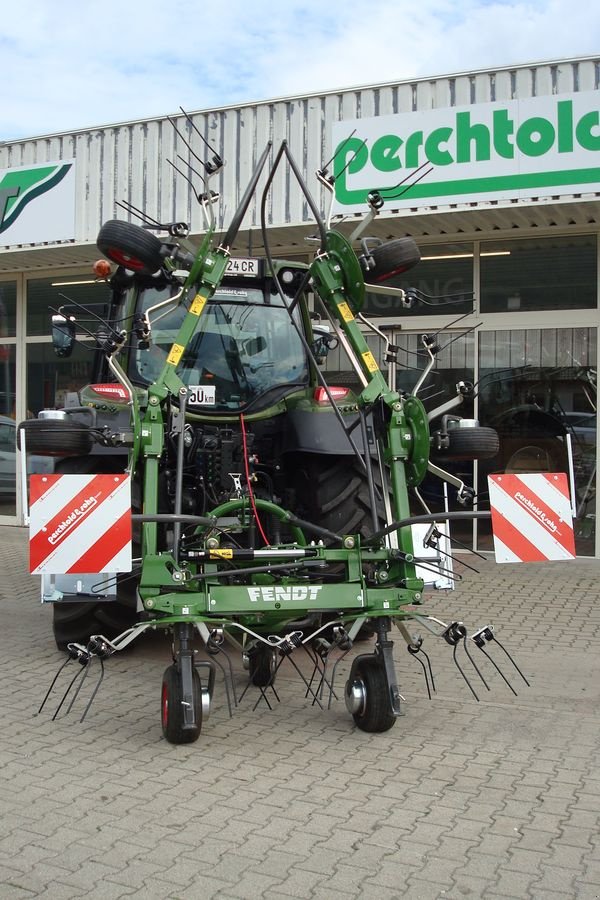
(111, 391)
(338, 393)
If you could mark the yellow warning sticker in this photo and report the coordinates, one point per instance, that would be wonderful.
(175, 354)
(370, 361)
(345, 312)
(225, 553)
(198, 304)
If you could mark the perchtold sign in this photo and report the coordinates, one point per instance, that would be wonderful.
(513, 150)
(37, 203)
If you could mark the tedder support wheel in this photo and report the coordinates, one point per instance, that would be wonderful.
(469, 443)
(171, 707)
(262, 666)
(55, 437)
(367, 696)
(392, 258)
(130, 246)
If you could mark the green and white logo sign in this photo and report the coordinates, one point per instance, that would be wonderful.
(514, 150)
(37, 203)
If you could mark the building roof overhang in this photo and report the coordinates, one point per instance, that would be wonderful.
(477, 222)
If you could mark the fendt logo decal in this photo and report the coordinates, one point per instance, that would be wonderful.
(20, 186)
(297, 593)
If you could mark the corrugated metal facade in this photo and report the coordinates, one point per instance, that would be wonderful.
(129, 161)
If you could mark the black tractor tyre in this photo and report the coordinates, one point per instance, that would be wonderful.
(468, 444)
(171, 707)
(376, 715)
(130, 246)
(392, 258)
(55, 437)
(75, 621)
(332, 492)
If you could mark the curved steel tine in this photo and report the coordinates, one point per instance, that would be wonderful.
(503, 648)
(79, 674)
(54, 680)
(335, 665)
(457, 664)
(474, 664)
(86, 669)
(498, 669)
(423, 666)
(94, 692)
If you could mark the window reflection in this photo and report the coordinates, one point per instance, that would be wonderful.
(548, 273)
(443, 278)
(537, 388)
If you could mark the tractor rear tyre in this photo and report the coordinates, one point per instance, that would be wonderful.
(332, 492)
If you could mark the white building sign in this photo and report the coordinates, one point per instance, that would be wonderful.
(508, 150)
(37, 203)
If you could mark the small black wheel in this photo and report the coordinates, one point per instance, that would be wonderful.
(392, 258)
(262, 666)
(171, 707)
(130, 246)
(469, 443)
(55, 437)
(367, 697)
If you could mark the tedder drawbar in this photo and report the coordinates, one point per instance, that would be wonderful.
(270, 511)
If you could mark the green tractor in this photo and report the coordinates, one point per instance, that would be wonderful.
(270, 510)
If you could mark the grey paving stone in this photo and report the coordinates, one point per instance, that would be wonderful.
(490, 799)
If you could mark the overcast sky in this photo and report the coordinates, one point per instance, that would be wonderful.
(68, 64)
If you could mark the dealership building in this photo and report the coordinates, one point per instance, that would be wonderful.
(495, 174)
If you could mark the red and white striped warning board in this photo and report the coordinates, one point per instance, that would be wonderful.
(79, 524)
(531, 517)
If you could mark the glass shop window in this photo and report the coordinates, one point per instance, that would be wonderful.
(442, 282)
(545, 273)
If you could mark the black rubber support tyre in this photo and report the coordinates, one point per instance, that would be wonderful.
(171, 707)
(376, 714)
(469, 443)
(130, 246)
(262, 663)
(55, 437)
(74, 622)
(392, 258)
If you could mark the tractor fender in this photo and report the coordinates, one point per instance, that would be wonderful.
(321, 432)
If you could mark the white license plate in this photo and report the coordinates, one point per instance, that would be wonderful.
(202, 395)
(242, 265)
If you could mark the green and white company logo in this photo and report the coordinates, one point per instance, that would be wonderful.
(19, 187)
(540, 147)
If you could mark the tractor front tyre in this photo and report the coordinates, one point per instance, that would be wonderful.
(172, 708)
(367, 697)
(130, 246)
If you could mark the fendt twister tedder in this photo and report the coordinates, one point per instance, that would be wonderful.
(271, 513)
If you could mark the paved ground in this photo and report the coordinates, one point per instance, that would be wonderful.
(497, 798)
